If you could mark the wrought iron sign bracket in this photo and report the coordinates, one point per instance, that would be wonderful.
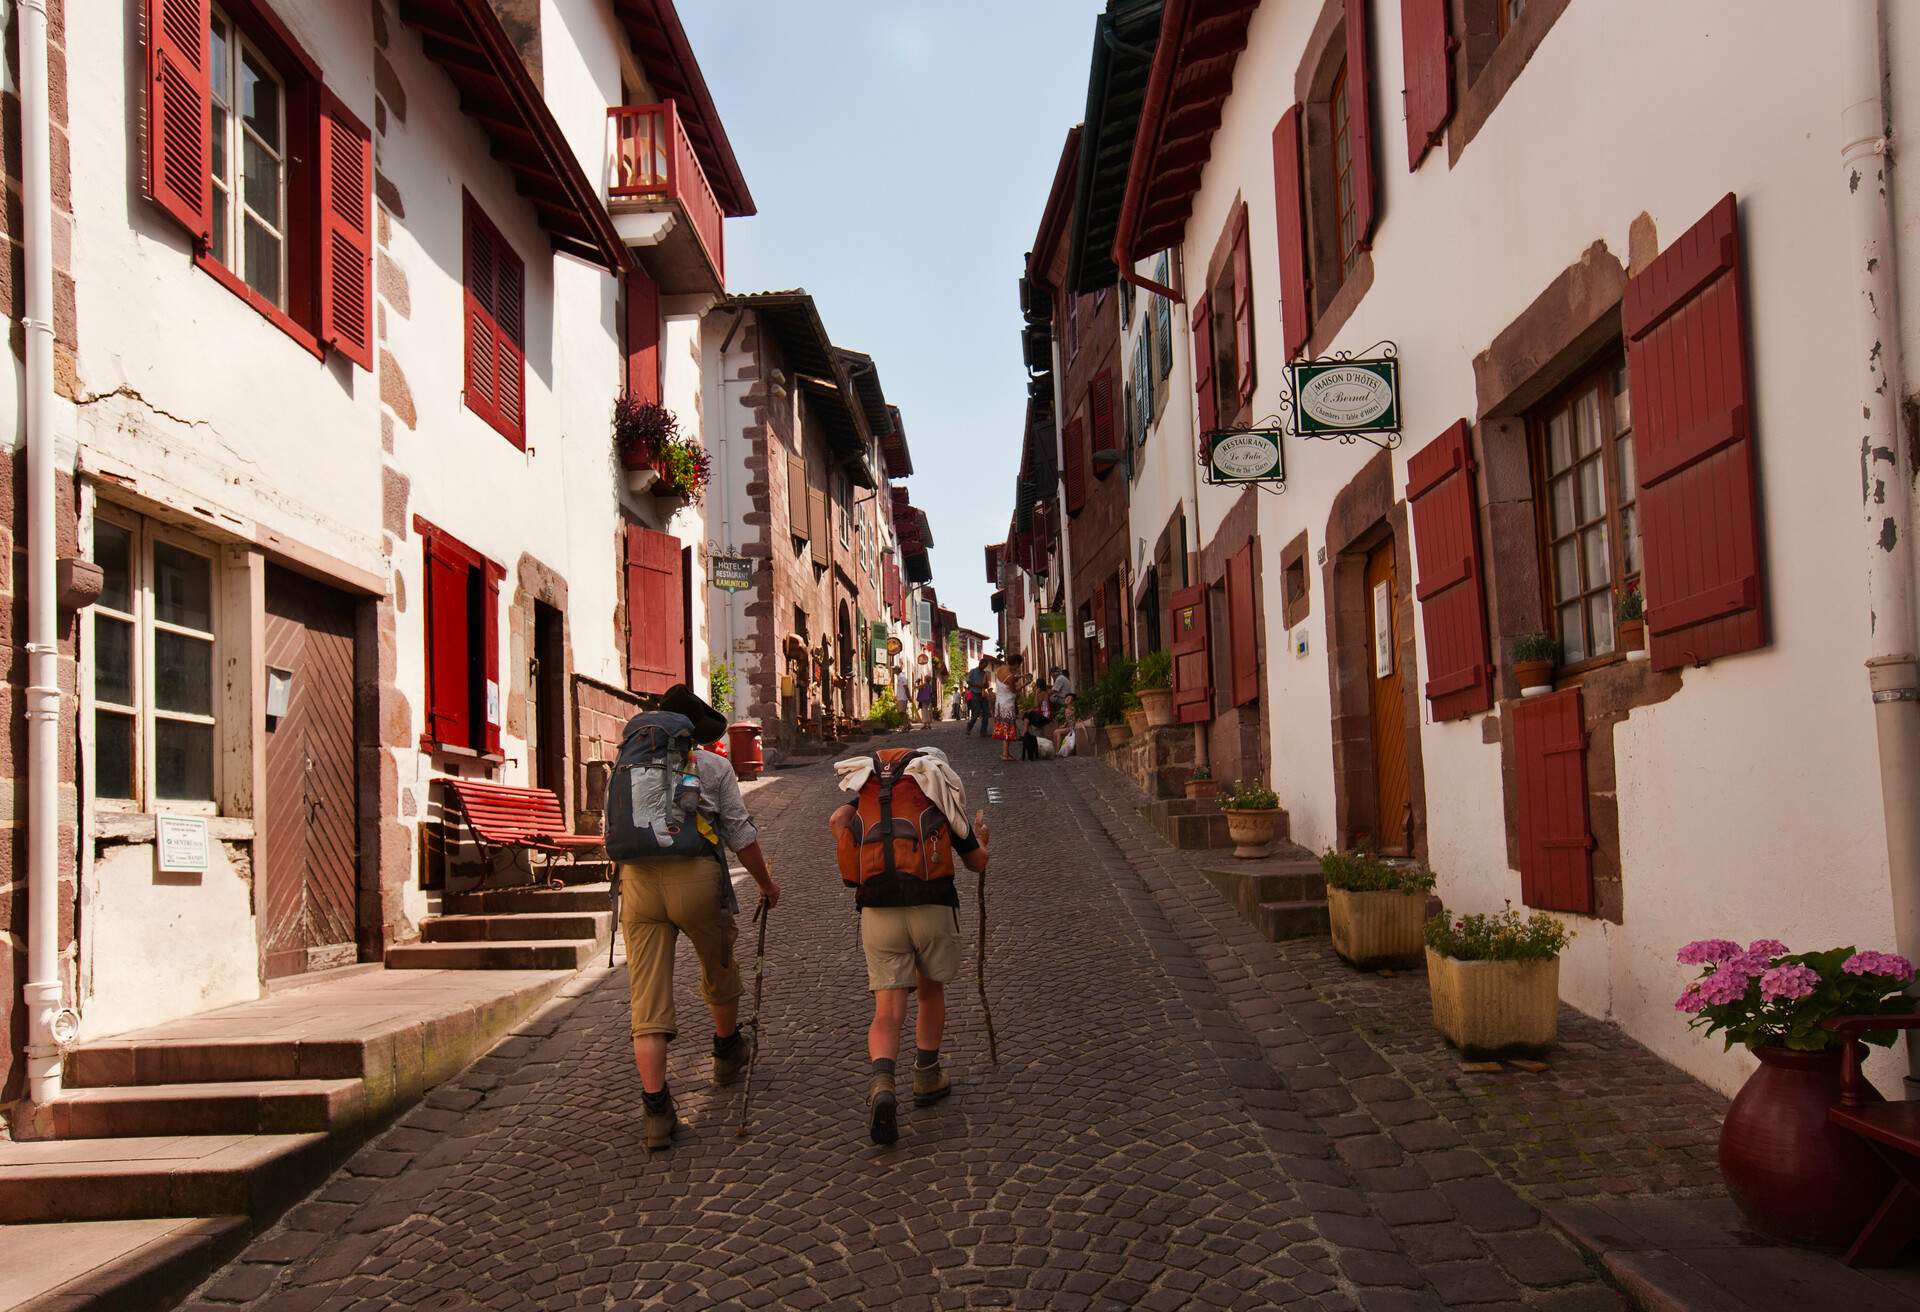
(1295, 423)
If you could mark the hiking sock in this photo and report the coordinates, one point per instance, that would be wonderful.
(725, 1045)
(658, 1102)
(883, 1065)
(926, 1058)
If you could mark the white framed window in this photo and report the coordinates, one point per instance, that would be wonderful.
(248, 109)
(154, 651)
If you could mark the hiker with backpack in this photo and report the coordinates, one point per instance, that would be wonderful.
(896, 842)
(673, 811)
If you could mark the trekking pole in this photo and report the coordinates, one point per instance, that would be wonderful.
(759, 968)
(993, 1044)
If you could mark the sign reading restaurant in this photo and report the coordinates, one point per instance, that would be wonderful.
(1245, 456)
(731, 573)
(1337, 397)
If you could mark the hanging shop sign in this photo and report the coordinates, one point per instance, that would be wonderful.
(1053, 621)
(1335, 398)
(893, 646)
(1245, 455)
(730, 573)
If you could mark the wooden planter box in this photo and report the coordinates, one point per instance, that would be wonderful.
(1492, 1007)
(1373, 929)
(1202, 790)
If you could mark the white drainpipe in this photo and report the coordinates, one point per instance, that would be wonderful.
(1886, 474)
(42, 992)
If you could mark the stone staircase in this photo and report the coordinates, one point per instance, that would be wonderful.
(531, 927)
(1282, 896)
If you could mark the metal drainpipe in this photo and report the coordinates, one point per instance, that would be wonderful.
(1886, 473)
(42, 991)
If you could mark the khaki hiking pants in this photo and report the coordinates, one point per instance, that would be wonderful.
(659, 901)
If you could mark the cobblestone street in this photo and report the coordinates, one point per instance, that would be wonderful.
(1184, 1115)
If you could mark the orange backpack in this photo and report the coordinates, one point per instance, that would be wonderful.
(896, 831)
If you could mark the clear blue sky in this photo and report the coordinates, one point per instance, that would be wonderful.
(900, 152)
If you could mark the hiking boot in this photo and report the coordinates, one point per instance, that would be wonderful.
(881, 1109)
(658, 1127)
(930, 1084)
(727, 1069)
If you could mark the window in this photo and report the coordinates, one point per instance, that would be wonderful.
(1142, 404)
(154, 646)
(843, 497)
(495, 328)
(1163, 316)
(1507, 13)
(1226, 366)
(1073, 325)
(1346, 228)
(249, 139)
(1589, 525)
(464, 696)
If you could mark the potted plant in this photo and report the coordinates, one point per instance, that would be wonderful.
(1111, 696)
(685, 468)
(1136, 715)
(1252, 810)
(1201, 785)
(1378, 909)
(1793, 1174)
(1534, 656)
(1495, 979)
(1153, 680)
(641, 431)
(1630, 628)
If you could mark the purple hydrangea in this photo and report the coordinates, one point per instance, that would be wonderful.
(1690, 1000)
(1707, 950)
(1890, 964)
(1790, 982)
(1723, 987)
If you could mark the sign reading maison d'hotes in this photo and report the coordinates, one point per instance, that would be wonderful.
(1333, 397)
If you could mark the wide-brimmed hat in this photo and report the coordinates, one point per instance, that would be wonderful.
(708, 724)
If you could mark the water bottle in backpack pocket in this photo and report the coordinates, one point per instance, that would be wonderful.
(653, 798)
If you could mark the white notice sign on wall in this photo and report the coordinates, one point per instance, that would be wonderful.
(181, 843)
(1382, 629)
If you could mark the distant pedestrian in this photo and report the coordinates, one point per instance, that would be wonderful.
(909, 907)
(673, 811)
(979, 707)
(1008, 680)
(924, 699)
(1062, 686)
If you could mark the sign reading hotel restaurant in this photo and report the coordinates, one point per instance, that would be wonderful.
(731, 573)
(1053, 621)
(1243, 456)
(1335, 397)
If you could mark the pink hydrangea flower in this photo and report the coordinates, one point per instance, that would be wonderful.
(1690, 1000)
(1707, 950)
(1789, 983)
(1767, 947)
(1723, 987)
(1890, 964)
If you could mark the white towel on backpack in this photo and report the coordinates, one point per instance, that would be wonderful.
(930, 770)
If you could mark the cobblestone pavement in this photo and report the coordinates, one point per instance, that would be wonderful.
(1184, 1115)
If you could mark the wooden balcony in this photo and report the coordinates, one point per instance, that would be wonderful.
(662, 204)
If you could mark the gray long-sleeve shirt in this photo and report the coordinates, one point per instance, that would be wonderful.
(721, 802)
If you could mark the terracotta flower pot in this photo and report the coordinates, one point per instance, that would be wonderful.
(1158, 704)
(1377, 928)
(1117, 734)
(1794, 1174)
(1202, 790)
(1632, 639)
(1252, 831)
(1494, 1006)
(1137, 721)
(1536, 677)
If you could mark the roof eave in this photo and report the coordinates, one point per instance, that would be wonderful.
(716, 151)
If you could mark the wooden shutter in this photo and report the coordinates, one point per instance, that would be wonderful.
(1075, 466)
(510, 322)
(1100, 418)
(1192, 669)
(656, 611)
(1693, 443)
(1550, 779)
(643, 337)
(1290, 219)
(493, 698)
(797, 513)
(449, 693)
(1453, 608)
(1426, 46)
(1243, 627)
(1242, 306)
(1203, 364)
(346, 232)
(179, 145)
(1360, 120)
(495, 310)
(819, 527)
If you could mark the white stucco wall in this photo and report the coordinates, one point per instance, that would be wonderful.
(1749, 802)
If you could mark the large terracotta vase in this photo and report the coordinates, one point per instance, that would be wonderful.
(1791, 1171)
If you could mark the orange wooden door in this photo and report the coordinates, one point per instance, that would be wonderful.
(1389, 711)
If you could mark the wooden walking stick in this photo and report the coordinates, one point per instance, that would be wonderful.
(759, 967)
(993, 1044)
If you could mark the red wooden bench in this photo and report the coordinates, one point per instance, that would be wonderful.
(504, 818)
(1893, 1131)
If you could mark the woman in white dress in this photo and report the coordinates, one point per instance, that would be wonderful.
(1007, 681)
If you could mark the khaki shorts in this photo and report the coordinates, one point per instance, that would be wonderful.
(659, 901)
(904, 943)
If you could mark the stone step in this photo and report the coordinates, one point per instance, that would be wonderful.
(1249, 884)
(109, 1266)
(1287, 920)
(588, 925)
(252, 1175)
(509, 954)
(530, 899)
(1197, 831)
(225, 1107)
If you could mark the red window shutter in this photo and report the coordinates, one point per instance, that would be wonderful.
(1453, 609)
(1192, 666)
(346, 232)
(494, 696)
(1427, 49)
(797, 497)
(495, 310)
(1550, 774)
(482, 388)
(643, 337)
(1074, 466)
(1289, 199)
(1243, 628)
(510, 326)
(1693, 443)
(1360, 119)
(656, 611)
(1242, 305)
(179, 160)
(1100, 418)
(1202, 366)
(449, 694)
(820, 527)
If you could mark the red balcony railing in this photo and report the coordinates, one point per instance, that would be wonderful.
(653, 158)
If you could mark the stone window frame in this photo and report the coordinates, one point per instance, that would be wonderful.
(1223, 333)
(1295, 605)
(1488, 62)
(1333, 292)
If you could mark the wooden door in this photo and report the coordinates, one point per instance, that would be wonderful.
(1389, 716)
(547, 712)
(312, 847)
(1192, 673)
